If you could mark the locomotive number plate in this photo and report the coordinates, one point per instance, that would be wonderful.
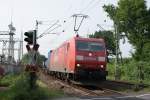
(90, 58)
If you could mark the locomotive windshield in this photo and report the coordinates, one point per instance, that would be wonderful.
(89, 46)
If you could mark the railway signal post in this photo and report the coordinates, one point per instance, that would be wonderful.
(31, 67)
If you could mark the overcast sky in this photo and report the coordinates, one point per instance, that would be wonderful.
(24, 13)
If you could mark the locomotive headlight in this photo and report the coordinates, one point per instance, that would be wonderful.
(79, 57)
(78, 65)
(102, 66)
(101, 58)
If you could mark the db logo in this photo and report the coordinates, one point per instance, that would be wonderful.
(90, 54)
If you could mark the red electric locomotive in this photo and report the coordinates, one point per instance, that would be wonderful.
(79, 57)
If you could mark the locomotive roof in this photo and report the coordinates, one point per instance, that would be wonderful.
(86, 39)
(89, 39)
(81, 38)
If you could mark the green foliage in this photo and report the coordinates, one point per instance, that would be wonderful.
(9, 79)
(111, 10)
(20, 90)
(111, 70)
(41, 59)
(130, 70)
(26, 59)
(108, 37)
(145, 54)
(133, 18)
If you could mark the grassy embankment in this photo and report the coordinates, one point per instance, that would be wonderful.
(18, 89)
(131, 71)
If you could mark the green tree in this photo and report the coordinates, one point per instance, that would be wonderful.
(109, 39)
(26, 59)
(133, 18)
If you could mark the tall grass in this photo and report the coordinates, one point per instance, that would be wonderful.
(130, 71)
(9, 79)
(20, 90)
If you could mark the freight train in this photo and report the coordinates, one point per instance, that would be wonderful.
(79, 58)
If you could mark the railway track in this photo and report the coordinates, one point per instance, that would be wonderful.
(128, 85)
(122, 85)
(98, 91)
(113, 85)
(91, 88)
(74, 88)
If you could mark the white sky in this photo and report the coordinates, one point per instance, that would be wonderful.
(25, 12)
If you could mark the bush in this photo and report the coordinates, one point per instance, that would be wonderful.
(131, 70)
(20, 90)
(9, 79)
(111, 70)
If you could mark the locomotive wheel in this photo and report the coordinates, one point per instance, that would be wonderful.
(103, 78)
(67, 77)
(63, 76)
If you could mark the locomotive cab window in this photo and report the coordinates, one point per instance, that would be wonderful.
(89, 46)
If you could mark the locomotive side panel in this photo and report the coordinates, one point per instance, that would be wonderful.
(62, 59)
(71, 56)
(54, 61)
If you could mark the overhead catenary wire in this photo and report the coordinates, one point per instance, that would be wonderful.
(51, 26)
(67, 16)
(90, 6)
(69, 8)
(85, 9)
(98, 25)
(47, 31)
(46, 22)
(86, 6)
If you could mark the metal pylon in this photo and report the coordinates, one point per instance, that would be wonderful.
(11, 43)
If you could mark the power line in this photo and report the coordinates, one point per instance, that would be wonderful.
(52, 27)
(85, 9)
(89, 8)
(101, 28)
(69, 8)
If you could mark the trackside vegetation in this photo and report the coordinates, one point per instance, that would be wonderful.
(132, 21)
(131, 71)
(19, 89)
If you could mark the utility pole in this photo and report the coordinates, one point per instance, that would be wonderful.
(20, 49)
(8, 52)
(117, 63)
(11, 43)
(117, 56)
(76, 16)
